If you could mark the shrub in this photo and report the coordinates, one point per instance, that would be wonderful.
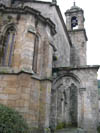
(11, 121)
(98, 129)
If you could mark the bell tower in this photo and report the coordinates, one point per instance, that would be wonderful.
(75, 26)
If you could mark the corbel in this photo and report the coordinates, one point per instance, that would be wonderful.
(32, 29)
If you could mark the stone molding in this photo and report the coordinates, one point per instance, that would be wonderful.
(37, 1)
(78, 30)
(28, 10)
(58, 11)
(10, 71)
(67, 71)
(76, 68)
(74, 10)
(65, 74)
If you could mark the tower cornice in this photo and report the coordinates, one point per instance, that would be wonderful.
(79, 30)
(74, 11)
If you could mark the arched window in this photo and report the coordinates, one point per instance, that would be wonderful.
(74, 23)
(35, 55)
(8, 46)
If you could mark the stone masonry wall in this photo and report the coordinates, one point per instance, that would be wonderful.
(22, 93)
(60, 40)
(64, 101)
(24, 43)
(78, 49)
(29, 96)
(20, 87)
(89, 81)
(84, 81)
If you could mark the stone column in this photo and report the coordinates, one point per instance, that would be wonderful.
(44, 107)
(81, 107)
(73, 104)
(45, 89)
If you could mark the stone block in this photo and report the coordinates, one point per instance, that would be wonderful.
(3, 96)
(10, 90)
(20, 103)
(25, 96)
(11, 103)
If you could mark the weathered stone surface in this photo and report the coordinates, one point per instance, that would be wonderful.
(5, 2)
(87, 98)
(71, 130)
(60, 40)
(77, 35)
(46, 80)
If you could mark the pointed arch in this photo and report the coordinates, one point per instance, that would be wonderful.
(7, 46)
(72, 75)
(74, 22)
(35, 55)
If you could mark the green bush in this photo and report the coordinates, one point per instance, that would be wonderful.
(98, 129)
(11, 121)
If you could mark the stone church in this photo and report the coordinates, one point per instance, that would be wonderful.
(43, 71)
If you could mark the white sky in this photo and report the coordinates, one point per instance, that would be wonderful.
(92, 24)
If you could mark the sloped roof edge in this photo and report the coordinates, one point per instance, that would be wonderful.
(63, 23)
(44, 2)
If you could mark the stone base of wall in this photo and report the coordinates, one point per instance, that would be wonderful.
(37, 131)
(45, 130)
(71, 130)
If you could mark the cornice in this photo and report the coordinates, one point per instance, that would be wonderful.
(74, 11)
(78, 30)
(70, 68)
(14, 71)
(35, 1)
(28, 10)
(58, 11)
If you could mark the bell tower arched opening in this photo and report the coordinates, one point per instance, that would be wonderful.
(74, 23)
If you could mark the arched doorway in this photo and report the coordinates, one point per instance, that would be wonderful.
(64, 100)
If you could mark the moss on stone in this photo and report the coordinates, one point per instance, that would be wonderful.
(47, 130)
(63, 125)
